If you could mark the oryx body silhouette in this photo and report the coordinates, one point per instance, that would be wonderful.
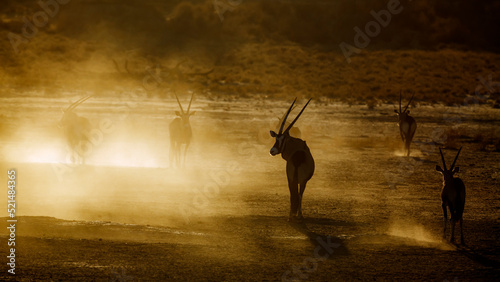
(76, 130)
(180, 134)
(407, 125)
(299, 162)
(452, 196)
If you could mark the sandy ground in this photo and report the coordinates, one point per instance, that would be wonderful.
(370, 213)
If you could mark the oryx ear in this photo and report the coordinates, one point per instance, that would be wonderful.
(177, 113)
(273, 134)
(396, 111)
(438, 168)
(456, 169)
(192, 113)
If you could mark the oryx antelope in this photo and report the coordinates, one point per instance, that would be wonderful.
(180, 133)
(299, 162)
(294, 131)
(453, 197)
(407, 125)
(76, 130)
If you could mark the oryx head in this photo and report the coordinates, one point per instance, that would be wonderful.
(68, 114)
(448, 173)
(184, 115)
(281, 136)
(402, 114)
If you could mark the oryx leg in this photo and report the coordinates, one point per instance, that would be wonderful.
(453, 222)
(302, 189)
(178, 148)
(301, 163)
(461, 232)
(78, 150)
(402, 137)
(294, 198)
(175, 153)
(445, 213)
(185, 152)
(407, 145)
(171, 153)
(408, 141)
(293, 186)
(413, 128)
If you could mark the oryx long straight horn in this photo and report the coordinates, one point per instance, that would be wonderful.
(442, 159)
(456, 157)
(180, 105)
(293, 122)
(286, 116)
(406, 107)
(77, 103)
(400, 94)
(189, 106)
(293, 131)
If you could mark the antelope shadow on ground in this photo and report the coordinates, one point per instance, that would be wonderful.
(318, 239)
(479, 258)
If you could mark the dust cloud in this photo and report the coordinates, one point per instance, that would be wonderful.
(126, 176)
(417, 234)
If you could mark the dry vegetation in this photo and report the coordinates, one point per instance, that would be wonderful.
(273, 48)
(485, 140)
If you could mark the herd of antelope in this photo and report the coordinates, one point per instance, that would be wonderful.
(299, 160)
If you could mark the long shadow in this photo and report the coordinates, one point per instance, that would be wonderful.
(328, 221)
(477, 257)
(331, 245)
(325, 246)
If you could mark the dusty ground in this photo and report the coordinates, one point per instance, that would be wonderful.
(126, 215)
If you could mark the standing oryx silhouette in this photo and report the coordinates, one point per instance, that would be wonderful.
(299, 162)
(180, 134)
(76, 130)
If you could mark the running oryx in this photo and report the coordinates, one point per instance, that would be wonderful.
(180, 133)
(453, 196)
(294, 131)
(299, 162)
(407, 125)
(76, 130)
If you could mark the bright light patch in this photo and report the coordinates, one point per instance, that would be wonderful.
(119, 155)
(123, 154)
(34, 153)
